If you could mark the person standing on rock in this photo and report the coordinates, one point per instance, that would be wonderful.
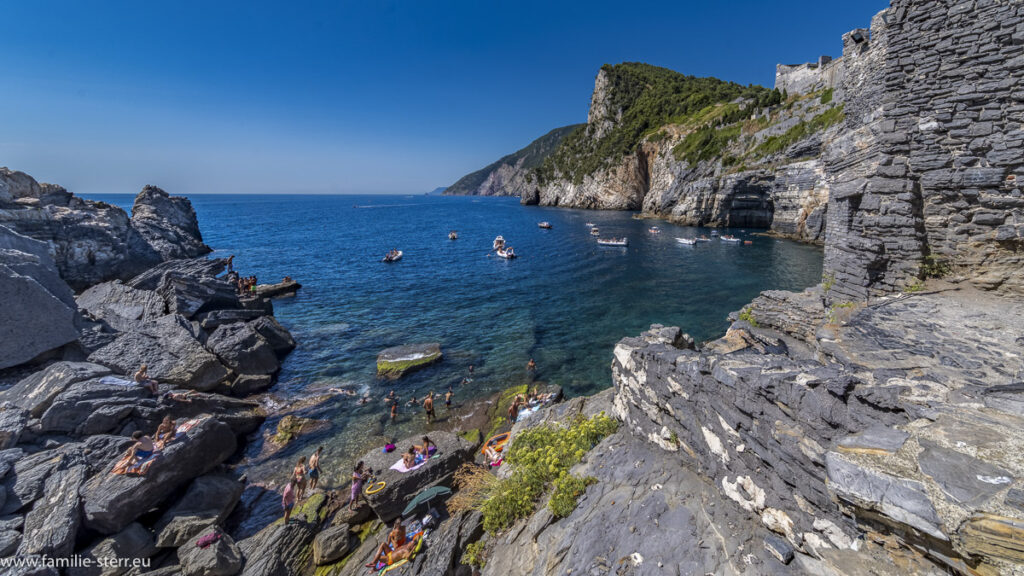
(314, 468)
(513, 411)
(394, 410)
(288, 499)
(142, 379)
(448, 398)
(299, 476)
(428, 407)
(231, 263)
(358, 477)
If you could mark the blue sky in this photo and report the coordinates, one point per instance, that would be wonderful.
(347, 96)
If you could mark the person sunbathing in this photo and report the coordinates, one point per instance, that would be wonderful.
(142, 449)
(386, 551)
(410, 457)
(185, 396)
(142, 379)
(424, 450)
(166, 431)
(493, 456)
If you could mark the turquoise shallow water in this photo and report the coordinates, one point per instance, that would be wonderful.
(564, 302)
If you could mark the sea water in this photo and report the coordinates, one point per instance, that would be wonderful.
(565, 301)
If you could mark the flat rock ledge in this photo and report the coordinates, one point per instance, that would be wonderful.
(395, 362)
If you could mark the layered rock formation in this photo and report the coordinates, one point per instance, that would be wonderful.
(93, 241)
(66, 422)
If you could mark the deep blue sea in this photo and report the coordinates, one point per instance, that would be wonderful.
(564, 302)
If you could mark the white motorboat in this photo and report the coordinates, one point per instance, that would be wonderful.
(687, 241)
(498, 244)
(507, 254)
(595, 231)
(388, 258)
(702, 239)
(544, 225)
(622, 242)
(654, 230)
(714, 232)
(730, 239)
(590, 224)
(453, 235)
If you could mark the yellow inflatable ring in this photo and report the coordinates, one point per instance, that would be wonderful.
(374, 488)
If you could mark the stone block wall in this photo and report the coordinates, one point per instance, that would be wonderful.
(928, 168)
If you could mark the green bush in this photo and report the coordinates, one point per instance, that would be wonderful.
(705, 143)
(826, 96)
(541, 456)
(473, 555)
(933, 267)
(567, 492)
(776, 144)
(747, 315)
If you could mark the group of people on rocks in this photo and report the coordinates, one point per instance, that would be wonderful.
(145, 445)
(246, 285)
(305, 474)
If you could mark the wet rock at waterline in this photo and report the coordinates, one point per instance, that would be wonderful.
(395, 362)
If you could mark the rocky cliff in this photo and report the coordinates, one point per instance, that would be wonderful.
(511, 175)
(93, 241)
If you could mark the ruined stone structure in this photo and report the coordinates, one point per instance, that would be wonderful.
(928, 169)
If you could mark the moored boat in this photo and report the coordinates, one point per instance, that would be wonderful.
(506, 253)
(498, 244)
(392, 257)
(613, 242)
(590, 224)
(728, 238)
(595, 231)
(687, 241)
(544, 225)
(714, 232)
(654, 230)
(702, 239)
(453, 235)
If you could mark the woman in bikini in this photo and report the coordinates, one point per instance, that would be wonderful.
(166, 431)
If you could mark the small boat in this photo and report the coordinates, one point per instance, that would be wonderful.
(544, 225)
(453, 235)
(730, 239)
(590, 224)
(702, 239)
(392, 258)
(498, 244)
(595, 231)
(507, 254)
(654, 230)
(613, 242)
(714, 232)
(687, 241)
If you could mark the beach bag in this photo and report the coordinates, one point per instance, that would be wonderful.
(388, 448)
(210, 538)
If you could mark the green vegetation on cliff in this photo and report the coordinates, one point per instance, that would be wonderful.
(532, 155)
(639, 100)
(775, 144)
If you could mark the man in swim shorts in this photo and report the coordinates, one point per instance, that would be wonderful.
(314, 468)
(428, 407)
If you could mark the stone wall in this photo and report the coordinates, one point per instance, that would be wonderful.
(808, 77)
(931, 171)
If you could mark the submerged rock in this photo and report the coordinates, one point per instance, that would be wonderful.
(395, 362)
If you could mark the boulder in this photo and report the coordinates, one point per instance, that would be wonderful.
(152, 278)
(7, 459)
(169, 346)
(52, 524)
(333, 544)
(452, 451)
(222, 558)
(36, 392)
(134, 542)
(447, 542)
(206, 503)
(36, 316)
(279, 338)
(112, 501)
(277, 550)
(168, 224)
(9, 541)
(249, 384)
(210, 321)
(120, 306)
(12, 424)
(242, 416)
(243, 349)
(25, 483)
(93, 407)
(188, 294)
(395, 362)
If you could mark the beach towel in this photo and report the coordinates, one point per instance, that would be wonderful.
(117, 381)
(400, 466)
(184, 427)
(124, 465)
